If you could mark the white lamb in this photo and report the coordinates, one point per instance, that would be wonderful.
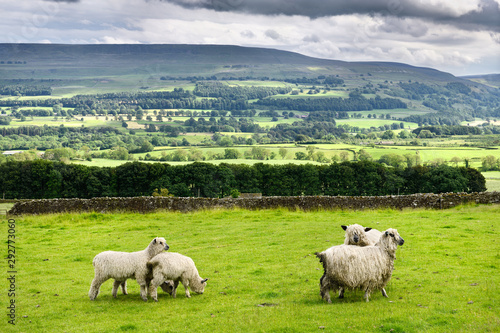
(352, 267)
(176, 267)
(121, 266)
(356, 234)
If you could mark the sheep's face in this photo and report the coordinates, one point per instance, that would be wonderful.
(159, 244)
(167, 286)
(392, 236)
(355, 233)
(199, 287)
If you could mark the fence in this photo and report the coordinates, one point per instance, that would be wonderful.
(150, 204)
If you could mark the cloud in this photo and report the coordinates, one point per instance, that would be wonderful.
(311, 39)
(272, 34)
(405, 26)
(478, 14)
(247, 34)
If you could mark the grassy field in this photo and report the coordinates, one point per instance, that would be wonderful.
(263, 275)
(427, 154)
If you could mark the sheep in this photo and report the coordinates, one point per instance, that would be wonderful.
(367, 268)
(176, 267)
(356, 234)
(121, 266)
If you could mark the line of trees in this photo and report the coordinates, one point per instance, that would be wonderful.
(353, 103)
(40, 179)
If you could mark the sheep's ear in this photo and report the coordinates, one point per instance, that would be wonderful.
(154, 241)
(344, 227)
(387, 233)
(204, 280)
(367, 229)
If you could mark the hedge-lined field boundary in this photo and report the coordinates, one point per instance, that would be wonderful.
(187, 204)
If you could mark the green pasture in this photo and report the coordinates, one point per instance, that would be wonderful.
(263, 274)
(367, 123)
(330, 151)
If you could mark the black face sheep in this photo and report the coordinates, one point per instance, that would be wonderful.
(176, 267)
(356, 234)
(121, 266)
(353, 267)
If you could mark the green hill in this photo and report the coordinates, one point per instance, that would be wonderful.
(52, 61)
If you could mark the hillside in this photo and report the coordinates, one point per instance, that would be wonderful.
(49, 61)
(492, 80)
(161, 91)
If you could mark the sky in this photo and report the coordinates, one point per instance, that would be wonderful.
(457, 36)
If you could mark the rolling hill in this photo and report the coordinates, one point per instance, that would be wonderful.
(53, 61)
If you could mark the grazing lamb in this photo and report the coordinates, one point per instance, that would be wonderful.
(356, 234)
(121, 266)
(352, 267)
(176, 267)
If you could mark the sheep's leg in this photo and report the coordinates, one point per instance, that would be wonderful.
(367, 295)
(341, 293)
(124, 287)
(94, 287)
(174, 290)
(185, 283)
(142, 282)
(384, 293)
(153, 292)
(144, 293)
(324, 289)
(158, 279)
(116, 285)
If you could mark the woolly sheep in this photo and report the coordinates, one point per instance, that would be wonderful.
(176, 267)
(367, 268)
(121, 266)
(356, 234)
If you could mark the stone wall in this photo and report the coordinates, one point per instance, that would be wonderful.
(150, 204)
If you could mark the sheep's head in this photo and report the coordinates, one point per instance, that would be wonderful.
(355, 234)
(390, 239)
(200, 286)
(158, 245)
(167, 286)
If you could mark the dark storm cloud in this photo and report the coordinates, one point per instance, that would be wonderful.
(487, 16)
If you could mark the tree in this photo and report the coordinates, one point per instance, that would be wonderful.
(404, 134)
(344, 156)
(388, 135)
(455, 160)
(231, 154)
(225, 141)
(283, 153)
(489, 163)
(363, 155)
(300, 156)
(310, 151)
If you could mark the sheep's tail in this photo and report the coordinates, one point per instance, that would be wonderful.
(322, 259)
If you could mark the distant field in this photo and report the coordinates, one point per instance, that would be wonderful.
(330, 151)
(367, 123)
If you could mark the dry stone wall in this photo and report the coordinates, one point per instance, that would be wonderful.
(306, 203)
